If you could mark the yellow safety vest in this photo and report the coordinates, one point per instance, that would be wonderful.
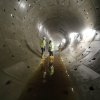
(42, 44)
(51, 46)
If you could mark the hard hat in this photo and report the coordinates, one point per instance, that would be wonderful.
(44, 38)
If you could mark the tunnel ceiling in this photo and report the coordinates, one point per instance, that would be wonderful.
(62, 16)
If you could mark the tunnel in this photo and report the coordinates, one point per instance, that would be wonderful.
(75, 24)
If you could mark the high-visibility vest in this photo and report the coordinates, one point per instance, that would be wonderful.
(43, 43)
(51, 46)
(52, 70)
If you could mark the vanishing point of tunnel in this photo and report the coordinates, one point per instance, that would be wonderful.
(75, 24)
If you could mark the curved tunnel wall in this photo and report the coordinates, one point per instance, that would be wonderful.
(23, 26)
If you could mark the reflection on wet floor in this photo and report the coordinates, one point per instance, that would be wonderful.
(55, 87)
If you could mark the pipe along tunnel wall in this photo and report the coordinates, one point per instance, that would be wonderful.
(23, 23)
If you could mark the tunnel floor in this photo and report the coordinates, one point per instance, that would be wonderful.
(55, 87)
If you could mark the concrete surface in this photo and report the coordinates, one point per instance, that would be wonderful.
(23, 23)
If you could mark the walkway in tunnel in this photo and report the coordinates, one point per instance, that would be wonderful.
(55, 87)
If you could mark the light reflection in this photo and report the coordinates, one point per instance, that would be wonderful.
(64, 40)
(40, 26)
(72, 89)
(73, 36)
(11, 15)
(29, 5)
(88, 31)
(88, 34)
(22, 5)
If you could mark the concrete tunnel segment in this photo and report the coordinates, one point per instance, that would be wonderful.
(23, 23)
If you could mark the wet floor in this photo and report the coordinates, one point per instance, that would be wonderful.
(55, 87)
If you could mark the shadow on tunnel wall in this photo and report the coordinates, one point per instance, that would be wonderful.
(37, 53)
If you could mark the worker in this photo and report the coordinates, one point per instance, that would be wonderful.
(43, 45)
(60, 49)
(51, 48)
(51, 60)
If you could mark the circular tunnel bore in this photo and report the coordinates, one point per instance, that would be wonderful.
(23, 23)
